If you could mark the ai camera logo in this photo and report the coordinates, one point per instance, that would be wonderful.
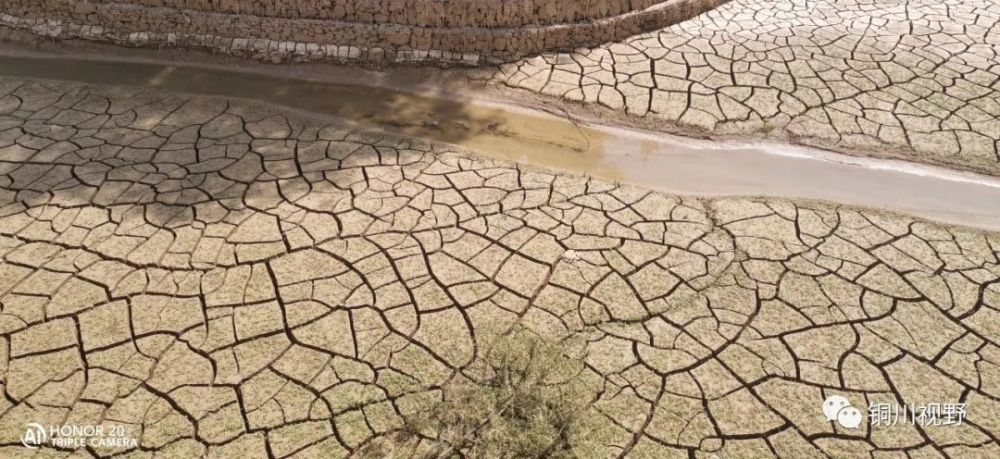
(34, 436)
(838, 408)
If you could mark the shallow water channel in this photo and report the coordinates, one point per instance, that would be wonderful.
(653, 160)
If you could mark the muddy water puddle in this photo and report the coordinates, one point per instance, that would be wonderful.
(542, 140)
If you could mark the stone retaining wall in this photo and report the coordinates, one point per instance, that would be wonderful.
(422, 13)
(375, 32)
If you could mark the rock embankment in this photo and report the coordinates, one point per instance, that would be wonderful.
(369, 31)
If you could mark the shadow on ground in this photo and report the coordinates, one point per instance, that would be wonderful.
(436, 118)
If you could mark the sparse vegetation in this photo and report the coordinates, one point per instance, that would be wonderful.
(522, 399)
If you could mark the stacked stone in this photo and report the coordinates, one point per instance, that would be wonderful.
(423, 13)
(465, 32)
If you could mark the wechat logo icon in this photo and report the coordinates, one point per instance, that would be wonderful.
(838, 408)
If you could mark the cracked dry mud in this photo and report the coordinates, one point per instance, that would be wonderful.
(227, 281)
(914, 78)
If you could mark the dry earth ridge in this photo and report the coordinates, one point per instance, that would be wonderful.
(230, 282)
(916, 79)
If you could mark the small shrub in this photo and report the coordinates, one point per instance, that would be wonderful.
(523, 399)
